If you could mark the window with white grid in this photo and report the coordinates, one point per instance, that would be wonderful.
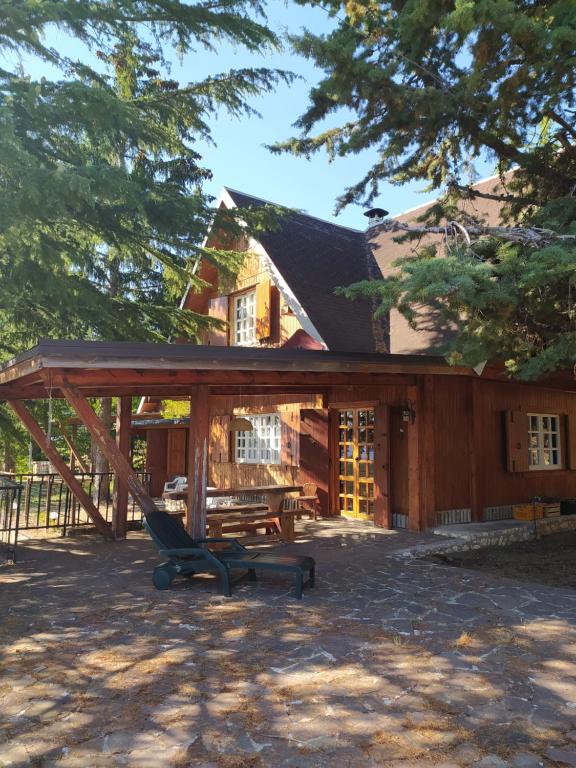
(544, 441)
(245, 319)
(262, 444)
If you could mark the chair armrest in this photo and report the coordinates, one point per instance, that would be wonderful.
(221, 540)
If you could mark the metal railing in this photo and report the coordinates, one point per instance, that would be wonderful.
(47, 504)
(10, 495)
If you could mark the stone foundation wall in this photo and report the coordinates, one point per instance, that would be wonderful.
(495, 537)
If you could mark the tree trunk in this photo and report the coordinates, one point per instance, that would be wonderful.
(8, 462)
(102, 486)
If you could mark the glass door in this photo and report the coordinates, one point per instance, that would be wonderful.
(356, 463)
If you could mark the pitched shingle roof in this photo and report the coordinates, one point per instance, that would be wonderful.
(315, 257)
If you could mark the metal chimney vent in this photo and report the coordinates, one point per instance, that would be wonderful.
(375, 216)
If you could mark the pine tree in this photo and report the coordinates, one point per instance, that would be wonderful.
(432, 85)
(102, 209)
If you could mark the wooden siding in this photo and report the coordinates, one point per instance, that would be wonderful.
(398, 463)
(452, 446)
(223, 472)
(470, 444)
(156, 449)
(242, 475)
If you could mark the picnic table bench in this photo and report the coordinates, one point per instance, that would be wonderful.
(248, 518)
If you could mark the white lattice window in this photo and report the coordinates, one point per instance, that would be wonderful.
(245, 319)
(544, 441)
(262, 444)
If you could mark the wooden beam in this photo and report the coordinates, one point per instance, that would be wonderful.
(74, 452)
(120, 497)
(109, 448)
(475, 447)
(61, 467)
(198, 436)
(168, 380)
(413, 438)
(427, 461)
(302, 392)
(382, 511)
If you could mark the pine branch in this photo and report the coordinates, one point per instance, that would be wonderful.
(535, 237)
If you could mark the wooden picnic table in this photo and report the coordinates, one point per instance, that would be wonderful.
(247, 519)
(274, 493)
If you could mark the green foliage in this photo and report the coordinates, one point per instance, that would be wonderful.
(102, 212)
(175, 409)
(431, 85)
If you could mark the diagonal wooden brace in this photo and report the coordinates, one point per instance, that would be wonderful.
(60, 465)
(72, 446)
(104, 440)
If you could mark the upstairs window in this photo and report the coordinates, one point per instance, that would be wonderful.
(244, 330)
(544, 441)
(262, 444)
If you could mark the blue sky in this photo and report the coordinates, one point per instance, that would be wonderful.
(239, 158)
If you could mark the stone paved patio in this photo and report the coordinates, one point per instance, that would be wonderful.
(390, 661)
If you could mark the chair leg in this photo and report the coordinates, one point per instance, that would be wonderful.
(312, 576)
(225, 582)
(251, 574)
(299, 585)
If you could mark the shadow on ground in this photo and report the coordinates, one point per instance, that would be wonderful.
(389, 662)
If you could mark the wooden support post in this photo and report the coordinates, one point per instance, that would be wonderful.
(120, 500)
(421, 482)
(75, 454)
(104, 440)
(60, 465)
(198, 435)
(382, 511)
(474, 447)
(426, 388)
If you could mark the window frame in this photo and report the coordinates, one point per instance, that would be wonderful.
(258, 453)
(236, 299)
(541, 432)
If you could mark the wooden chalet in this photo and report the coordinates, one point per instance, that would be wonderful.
(367, 410)
(284, 297)
(406, 439)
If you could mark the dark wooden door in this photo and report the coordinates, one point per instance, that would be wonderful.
(314, 464)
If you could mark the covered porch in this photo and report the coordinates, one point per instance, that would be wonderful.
(359, 396)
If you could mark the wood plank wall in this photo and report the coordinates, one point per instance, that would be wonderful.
(224, 473)
(470, 436)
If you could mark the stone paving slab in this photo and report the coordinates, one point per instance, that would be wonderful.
(399, 662)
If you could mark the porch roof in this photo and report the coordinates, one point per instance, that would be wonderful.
(121, 368)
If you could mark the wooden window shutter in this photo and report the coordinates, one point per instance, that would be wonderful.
(263, 310)
(517, 441)
(275, 302)
(230, 320)
(219, 451)
(218, 308)
(290, 438)
(570, 441)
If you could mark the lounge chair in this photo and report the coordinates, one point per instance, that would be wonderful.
(186, 556)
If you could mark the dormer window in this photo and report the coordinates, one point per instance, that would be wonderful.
(244, 331)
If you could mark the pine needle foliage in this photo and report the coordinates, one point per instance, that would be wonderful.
(431, 85)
